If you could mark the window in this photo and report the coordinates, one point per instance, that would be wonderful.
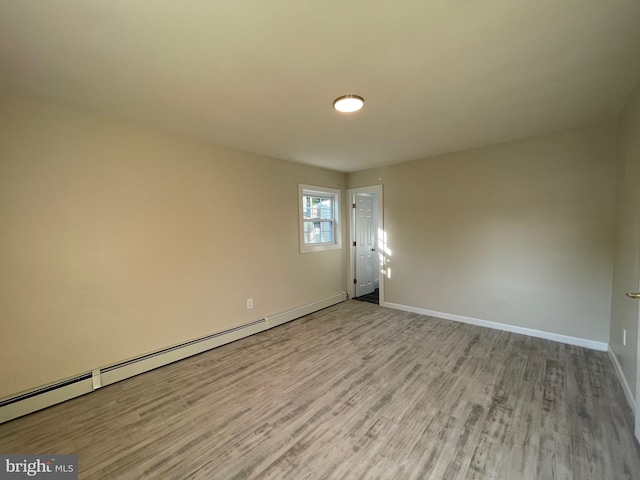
(319, 225)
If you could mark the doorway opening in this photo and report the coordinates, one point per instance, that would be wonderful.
(367, 257)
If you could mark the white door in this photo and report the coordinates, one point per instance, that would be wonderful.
(365, 249)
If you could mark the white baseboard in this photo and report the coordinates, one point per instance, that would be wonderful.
(58, 392)
(623, 381)
(579, 342)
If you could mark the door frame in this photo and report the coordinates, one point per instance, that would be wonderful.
(375, 190)
(636, 413)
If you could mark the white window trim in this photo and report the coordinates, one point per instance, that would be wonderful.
(304, 189)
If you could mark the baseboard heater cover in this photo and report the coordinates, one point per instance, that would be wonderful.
(43, 397)
(59, 392)
(130, 368)
(284, 317)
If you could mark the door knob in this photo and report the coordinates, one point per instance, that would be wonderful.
(634, 295)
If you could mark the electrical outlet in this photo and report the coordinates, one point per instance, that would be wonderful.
(624, 337)
(249, 303)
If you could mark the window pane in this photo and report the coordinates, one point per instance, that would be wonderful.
(306, 207)
(317, 207)
(326, 231)
(308, 232)
(318, 232)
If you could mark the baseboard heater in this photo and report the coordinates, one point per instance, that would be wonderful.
(287, 316)
(37, 399)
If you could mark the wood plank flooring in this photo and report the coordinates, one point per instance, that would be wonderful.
(355, 391)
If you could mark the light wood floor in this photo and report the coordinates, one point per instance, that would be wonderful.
(354, 391)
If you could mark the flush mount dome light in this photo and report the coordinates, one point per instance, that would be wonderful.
(348, 103)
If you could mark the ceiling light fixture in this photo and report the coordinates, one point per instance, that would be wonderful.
(348, 103)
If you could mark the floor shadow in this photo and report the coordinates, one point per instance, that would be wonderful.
(373, 297)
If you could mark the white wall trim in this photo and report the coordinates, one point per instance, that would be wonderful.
(58, 392)
(556, 337)
(623, 380)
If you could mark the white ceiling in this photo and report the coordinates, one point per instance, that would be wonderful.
(437, 76)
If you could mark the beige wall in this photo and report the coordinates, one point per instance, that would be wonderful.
(519, 233)
(117, 240)
(624, 312)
